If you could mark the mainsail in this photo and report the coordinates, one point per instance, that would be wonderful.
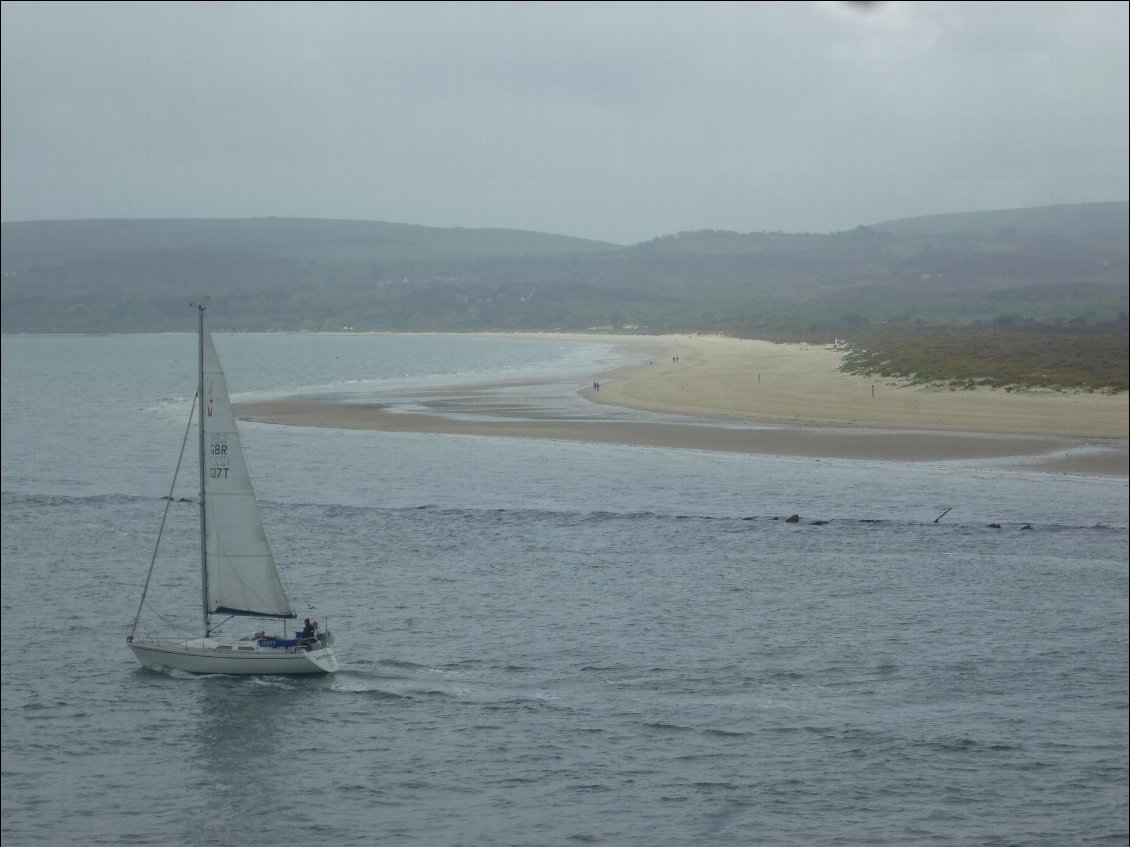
(241, 576)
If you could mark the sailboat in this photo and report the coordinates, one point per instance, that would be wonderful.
(239, 576)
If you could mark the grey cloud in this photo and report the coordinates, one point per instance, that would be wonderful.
(612, 121)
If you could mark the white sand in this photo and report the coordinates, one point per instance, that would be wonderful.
(792, 383)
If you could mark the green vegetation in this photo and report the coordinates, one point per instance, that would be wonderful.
(968, 357)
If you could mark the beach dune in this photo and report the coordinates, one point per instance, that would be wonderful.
(738, 379)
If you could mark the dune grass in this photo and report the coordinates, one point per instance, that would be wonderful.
(967, 357)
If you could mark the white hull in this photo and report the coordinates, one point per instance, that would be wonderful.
(231, 656)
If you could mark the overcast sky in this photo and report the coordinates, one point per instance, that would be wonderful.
(619, 122)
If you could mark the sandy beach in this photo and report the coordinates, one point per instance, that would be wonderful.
(714, 393)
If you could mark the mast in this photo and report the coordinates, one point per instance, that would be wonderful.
(203, 508)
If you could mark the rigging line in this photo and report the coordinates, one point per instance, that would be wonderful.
(173, 622)
(164, 517)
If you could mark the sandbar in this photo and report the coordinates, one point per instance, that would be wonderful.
(736, 395)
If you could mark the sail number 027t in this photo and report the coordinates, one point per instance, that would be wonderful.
(218, 466)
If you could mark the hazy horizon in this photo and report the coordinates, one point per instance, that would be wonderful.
(616, 122)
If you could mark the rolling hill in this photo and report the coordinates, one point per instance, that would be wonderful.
(1059, 266)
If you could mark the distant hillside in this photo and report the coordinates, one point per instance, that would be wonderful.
(1057, 266)
(1079, 221)
(305, 239)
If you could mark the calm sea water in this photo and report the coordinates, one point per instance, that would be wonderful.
(548, 643)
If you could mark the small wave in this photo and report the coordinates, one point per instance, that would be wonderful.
(666, 728)
(372, 693)
(716, 786)
(727, 733)
(401, 664)
(51, 501)
(963, 744)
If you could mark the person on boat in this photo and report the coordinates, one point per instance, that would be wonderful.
(308, 635)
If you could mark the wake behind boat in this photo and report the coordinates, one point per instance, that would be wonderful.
(239, 575)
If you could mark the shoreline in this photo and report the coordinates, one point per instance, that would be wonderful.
(734, 395)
